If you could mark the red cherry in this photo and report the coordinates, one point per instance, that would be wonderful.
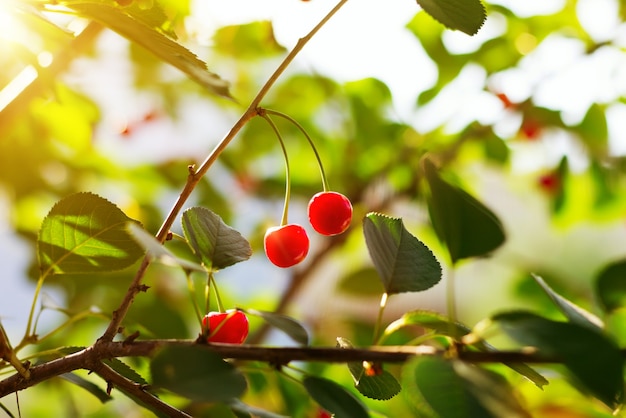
(330, 213)
(229, 327)
(286, 245)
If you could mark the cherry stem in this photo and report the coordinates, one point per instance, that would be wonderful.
(284, 220)
(308, 138)
(379, 319)
(211, 282)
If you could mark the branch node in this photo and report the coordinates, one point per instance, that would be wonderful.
(131, 338)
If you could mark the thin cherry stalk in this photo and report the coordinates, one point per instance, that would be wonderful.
(195, 175)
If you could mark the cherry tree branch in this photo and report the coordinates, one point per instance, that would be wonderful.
(195, 175)
(91, 359)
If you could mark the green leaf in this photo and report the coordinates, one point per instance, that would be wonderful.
(125, 370)
(154, 40)
(593, 359)
(465, 15)
(286, 324)
(403, 262)
(334, 398)
(84, 233)
(382, 386)
(217, 244)
(197, 374)
(87, 385)
(157, 251)
(465, 225)
(611, 286)
(573, 312)
(442, 389)
(430, 320)
(457, 330)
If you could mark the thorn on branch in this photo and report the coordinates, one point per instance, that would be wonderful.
(109, 388)
(143, 288)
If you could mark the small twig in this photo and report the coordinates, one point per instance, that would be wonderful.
(137, 391)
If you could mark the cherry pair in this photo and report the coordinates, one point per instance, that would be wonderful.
(330, 213)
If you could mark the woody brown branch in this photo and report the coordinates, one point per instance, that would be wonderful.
(91, 358)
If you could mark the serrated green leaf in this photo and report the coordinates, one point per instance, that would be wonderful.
(197, 374)
(154, 41)
(611, 286)
(593, 359)
(464, 224)
(157, 251)
(442, 325)
(125, 370)
(403, 262)
(465, 15)
(87, 385)
(85, 233)
(334, 398)
(286, 324)
(382, 386)
(215, 243)
(573, 312)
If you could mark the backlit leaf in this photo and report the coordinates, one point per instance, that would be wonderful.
(403, 262)
(464, 224)
(465, 15)
(217, 244)
(85, 233)
(197, 374)
(139, 31)
(593, 359)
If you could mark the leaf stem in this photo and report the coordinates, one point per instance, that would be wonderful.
(284, 219)
(379, 319)
(220, 305)
(195, 175)
(311, 143)
(29, 325)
